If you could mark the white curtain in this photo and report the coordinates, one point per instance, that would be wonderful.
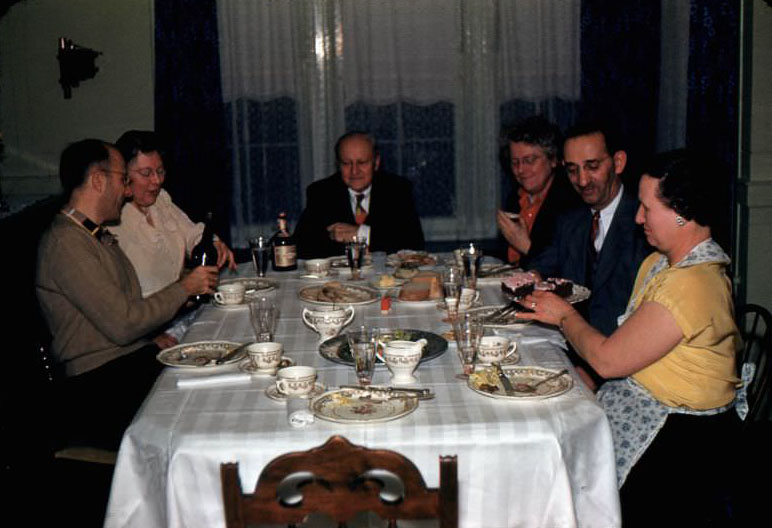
(329, 54)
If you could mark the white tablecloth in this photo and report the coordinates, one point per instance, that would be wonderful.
(544, 463)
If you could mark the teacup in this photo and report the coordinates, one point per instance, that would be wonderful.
(232, 293)
(402, 358)
(494, 349)
(265, 356)
(318, 267)
(328, 321)
(296, 381)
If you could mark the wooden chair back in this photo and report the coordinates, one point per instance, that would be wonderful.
(755, 325)
(340, 480)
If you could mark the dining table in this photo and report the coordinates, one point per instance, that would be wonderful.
(522, 462)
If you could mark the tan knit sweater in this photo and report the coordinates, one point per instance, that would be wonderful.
(91, 298)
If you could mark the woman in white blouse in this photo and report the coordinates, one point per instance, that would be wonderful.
(154, 233)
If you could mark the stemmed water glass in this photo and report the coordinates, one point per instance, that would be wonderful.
(355, 253)
(263, 314)
(363, 344)
(452, 284)
(468, 331)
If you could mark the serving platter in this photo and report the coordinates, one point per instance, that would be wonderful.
(202, 354)
(336, 349)
(487, 383)
(350, 294)
(358, 406)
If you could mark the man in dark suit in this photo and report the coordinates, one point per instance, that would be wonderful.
(360, 201)
(599, 244)
(533, 155)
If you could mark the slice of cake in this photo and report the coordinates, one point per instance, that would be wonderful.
(433, 279)
(561, 287)
(519, 284)
(414, 291)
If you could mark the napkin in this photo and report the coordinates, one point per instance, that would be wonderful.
(216, 379)
(298, 413)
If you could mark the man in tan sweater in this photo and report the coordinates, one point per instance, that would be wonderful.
(92, 302)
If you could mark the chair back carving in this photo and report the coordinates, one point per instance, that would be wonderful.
(755, 325)
(340, 480)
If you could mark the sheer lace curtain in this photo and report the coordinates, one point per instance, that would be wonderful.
(433, 79)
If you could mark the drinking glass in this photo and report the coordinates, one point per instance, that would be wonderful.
(363, 343)
(471, 258)
(355, 253)
(263, 314)
(468, 331)
(261, 252)
(452, 283)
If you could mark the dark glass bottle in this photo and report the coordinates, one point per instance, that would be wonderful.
(204, 253)
(285, 253)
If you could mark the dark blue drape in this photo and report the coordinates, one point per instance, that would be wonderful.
(620, 55)
(189, 108)
(712, 107)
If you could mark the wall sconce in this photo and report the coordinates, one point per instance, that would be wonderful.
(75, 64)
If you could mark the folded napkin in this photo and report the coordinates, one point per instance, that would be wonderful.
(298, 413)
(216, 379)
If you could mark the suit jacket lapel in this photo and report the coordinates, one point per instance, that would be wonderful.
(618, 237)
(343, 204)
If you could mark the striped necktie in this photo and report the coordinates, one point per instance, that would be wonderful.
(361, 213)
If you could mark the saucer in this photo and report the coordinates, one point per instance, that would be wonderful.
(273, 393)
(249, 367)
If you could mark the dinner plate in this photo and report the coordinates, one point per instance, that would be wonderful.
(487, 383)
(253, 286)
(420, 259)
(201, 354)
(579, 293)
(342, 262)
(359, 295)
(336, 349)
(397, 283)
(355, 406)
(496, 277)
(509, 321)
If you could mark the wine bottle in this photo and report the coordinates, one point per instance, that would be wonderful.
(204, 253)
(285, 254)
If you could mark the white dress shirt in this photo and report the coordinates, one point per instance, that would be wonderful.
(606, 216)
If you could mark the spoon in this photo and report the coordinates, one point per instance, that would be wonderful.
(529, 388)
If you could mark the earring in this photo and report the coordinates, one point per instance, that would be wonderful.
(680, 221)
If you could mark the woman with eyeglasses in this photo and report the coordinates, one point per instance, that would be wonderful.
(154, 233)
(671, 362)
(532, 153)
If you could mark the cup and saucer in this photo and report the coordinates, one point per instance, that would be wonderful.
(295, 382)
(265, 359)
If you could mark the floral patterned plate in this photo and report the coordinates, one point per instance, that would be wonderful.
(202, 354)
(359, 406)
(486, 382)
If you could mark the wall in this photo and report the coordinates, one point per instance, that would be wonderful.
(755, 189)
(35, 119)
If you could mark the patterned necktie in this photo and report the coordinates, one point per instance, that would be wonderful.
(595, 230)
(361, 213)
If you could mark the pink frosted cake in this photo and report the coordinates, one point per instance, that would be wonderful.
(562, 287)
(519, 284)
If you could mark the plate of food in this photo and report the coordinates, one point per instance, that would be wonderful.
(362, 406)
(336, 349)
(342, 262)
(202, 354)
(386, 282)
(411, 258)
(424, 288)
(253, 286)
(524, 382)
(521, 284)
(334, 292)
(497, 317)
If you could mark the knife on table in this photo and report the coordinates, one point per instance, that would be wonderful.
(421, 394)
(504, 380)
(230, 355)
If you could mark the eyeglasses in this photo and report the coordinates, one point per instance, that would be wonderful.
(526, 161)
(125, 176)
(148, 171)
(593, 165)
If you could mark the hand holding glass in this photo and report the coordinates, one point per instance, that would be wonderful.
(363, 343)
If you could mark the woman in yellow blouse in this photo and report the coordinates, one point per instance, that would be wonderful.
(673, 355)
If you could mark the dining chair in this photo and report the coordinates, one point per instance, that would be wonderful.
(755, 325)
(339, 479)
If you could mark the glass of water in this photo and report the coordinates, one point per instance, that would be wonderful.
(263, 314)
(363, 343)
(261, 253)
(355, 253)
(468, 331)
